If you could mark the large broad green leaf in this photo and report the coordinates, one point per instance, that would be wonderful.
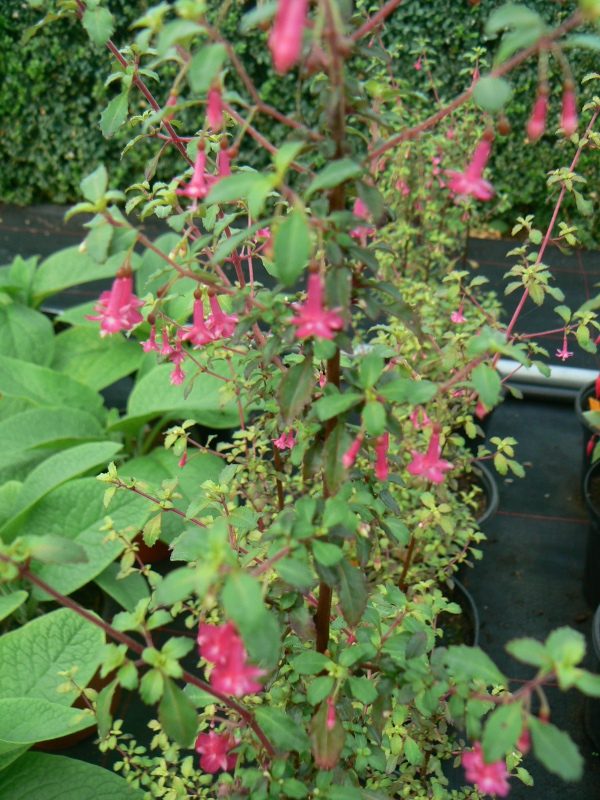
(95, 361)
(41, 386)
(71, 267)
(26, 334)
(75, 511)
(27, 720)
(47, 428)
(32, 657)
(153, 396)
(39, 776)
(10, 753)
(55, 471)
(556, 750)
(282, 730)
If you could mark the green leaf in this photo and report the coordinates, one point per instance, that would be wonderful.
(369, 370)
(235, 187)
(319, 689)
(412, 751)
(295, 389)
(488, 384)
(26, 334)
(403, 390)
(284, 732)
(555, 750)
(177, 715)
(99, 23)
(243, 603)
(502, 730)
(54, 471)
(333, 174)
(296, 572)
(512, 15)
(492, 94)
(205, 66)
(50, 777)
(27, 720)
(566, 646)
(95, 361)
(51, 549)
(326, 553)
(353, 592)
(309, 662)
(292, 247)
(70, 267)
(114, 115)
(93, 187)
(10, 602)
(529, 651)
(336, 403)
(363, 689)
(32, 656)
(471, 663)
(373, 417)
(126, 591)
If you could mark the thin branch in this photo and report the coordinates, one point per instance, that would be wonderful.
(376, 20)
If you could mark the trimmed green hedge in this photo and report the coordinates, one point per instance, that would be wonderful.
(52, 90)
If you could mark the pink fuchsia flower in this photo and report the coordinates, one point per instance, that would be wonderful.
(429, 465)
(419, 418)
(457, 317)
(177, 376)
(381, 461)
(183, 460)
(403, 187)
(151, 344)
(470, 182)
(568, 117)
(537, 121)
(352, 452)
(220, 324)
(117, 309)
(489, 779)
(199, 184)
(214, 751)
(524, 742)
(224, 162)
(481, 411)
(236, 677)
(322, 380)
(361, 232)
(286, 441)
(216, 643)
(562, 352)
(197, 333)
(285, 41)
(214, 108)
(418, 64)
(312, 319)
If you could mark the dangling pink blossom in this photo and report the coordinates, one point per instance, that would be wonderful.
(166, 348)
(216, 643)
(236, 677)
(177, 357)
(537, 121)
(151, 344)
(429, 465)
(562, 352)
(470, 182)
(322, 381)
(481, 411)
(214, 751)
(177, 376)
(457, 317)
(361, 232)
(117, 309)
(214, 108)
(381, 461)
(568, 118)
(331, 718)
(286, 441)
(352, 452)
(224, 163)
(419, 418)
(183, 460)
(418, 64)
(524, 742)
(220, 324)
(198, 186)
(312, 319)
(197, 333)
(285, 41)
(489, 779)
(402, 187)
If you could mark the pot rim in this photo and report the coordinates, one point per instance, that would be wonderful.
(490, 487)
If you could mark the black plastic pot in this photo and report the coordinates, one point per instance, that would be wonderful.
(591, 573)
(592, 704)
(589, 432)
(486, 480)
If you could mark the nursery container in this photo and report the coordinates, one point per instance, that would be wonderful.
(591, 575)
(589, 432)
(592, 704)
(485, 478)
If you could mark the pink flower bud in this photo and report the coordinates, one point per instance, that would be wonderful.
(537, 121)
(381, 462)
(214, 109)
(330, 714)
(568, 119)
(285, 41)
(351, 453)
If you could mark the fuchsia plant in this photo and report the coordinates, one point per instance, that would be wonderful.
(313, 553)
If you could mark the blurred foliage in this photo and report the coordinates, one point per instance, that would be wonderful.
(52, 92)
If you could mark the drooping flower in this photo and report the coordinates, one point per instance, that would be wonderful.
(166, 348)
(117, 309)
(457, 317)
(214, 108)
(403, 187)
(285, 40)
(562, 352)
(220, 324)
(197, 333)
(286, 441)
(351, 453)
(224, 162)
(177, 376)
(568, 117)
(312, 319)
(429, 465)
(537, 121)
(183, 460)
(151, 344)
(470, 182)
(214, 751)
(381, 461)
(322, 380)
(524, 742)
(418, 417)
(217, 642)
(489, 779)
(236, 677)
(361, 232)
(418, 64)
(198, 186)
